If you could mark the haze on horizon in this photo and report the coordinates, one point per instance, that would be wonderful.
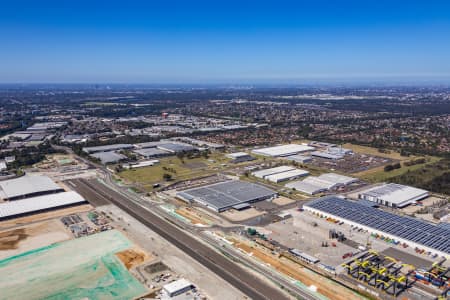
(230, 41)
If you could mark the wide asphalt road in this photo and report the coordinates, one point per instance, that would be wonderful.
(240, 278)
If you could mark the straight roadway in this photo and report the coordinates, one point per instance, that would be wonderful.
(237, 276)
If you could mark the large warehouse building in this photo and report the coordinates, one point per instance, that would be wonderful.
(162, 148)
(114, 147)
(283, 150)
(225, 195)
(27, 186)
(289, 175)
(108, 157)
(311, 185)
(393, 195)
(414, 232)
(325, 182)
(14, 209)
(267, 172)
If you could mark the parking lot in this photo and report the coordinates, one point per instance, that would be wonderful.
(305, 234)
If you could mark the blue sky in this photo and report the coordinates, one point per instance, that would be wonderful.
(222, 41)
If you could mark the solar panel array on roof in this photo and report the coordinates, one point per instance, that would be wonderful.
(221, 196)
(406, 228)
(444, 225)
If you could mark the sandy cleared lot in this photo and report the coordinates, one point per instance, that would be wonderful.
(195, 216)
(237, 216)
(208, 282)
(282, 201)
(21, 239)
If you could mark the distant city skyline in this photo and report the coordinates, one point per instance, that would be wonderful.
(228, 42)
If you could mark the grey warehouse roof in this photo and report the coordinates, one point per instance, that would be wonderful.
(27, 185)
(107, 148)
(228, 194)
(176, 147)
(407, 228)
(151, 152)
(108, 157)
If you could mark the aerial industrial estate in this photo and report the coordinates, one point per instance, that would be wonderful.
(163, 202)
(225, 150)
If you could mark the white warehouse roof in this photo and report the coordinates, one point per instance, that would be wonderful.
(296, 173)
(236, 155)
(27, 185)
(306, 187)
(271, 171)
(107, 148)
(392, 193)
(34, 204)
(283, 150)
(312, 185)
(177, 286)
(338, 179)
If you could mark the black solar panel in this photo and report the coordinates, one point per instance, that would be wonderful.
(420, 232)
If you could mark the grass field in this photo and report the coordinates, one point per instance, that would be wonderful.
(379, 175)
(373, 151)
(179, 170)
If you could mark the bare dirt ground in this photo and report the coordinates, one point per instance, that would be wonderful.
(237, 216)
(282, 201)
(324, 286)
(208, 282)
(194, 216)
(132, 257)
(25, 238)
(44, 216)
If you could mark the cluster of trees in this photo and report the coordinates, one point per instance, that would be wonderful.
(168, 169)
(414, 162)
(29, 155)
(433, 177)
(130, 155)
(193, 154)
(167, 177)
(389, 168)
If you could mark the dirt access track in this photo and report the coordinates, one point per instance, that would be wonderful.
(325, 287)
